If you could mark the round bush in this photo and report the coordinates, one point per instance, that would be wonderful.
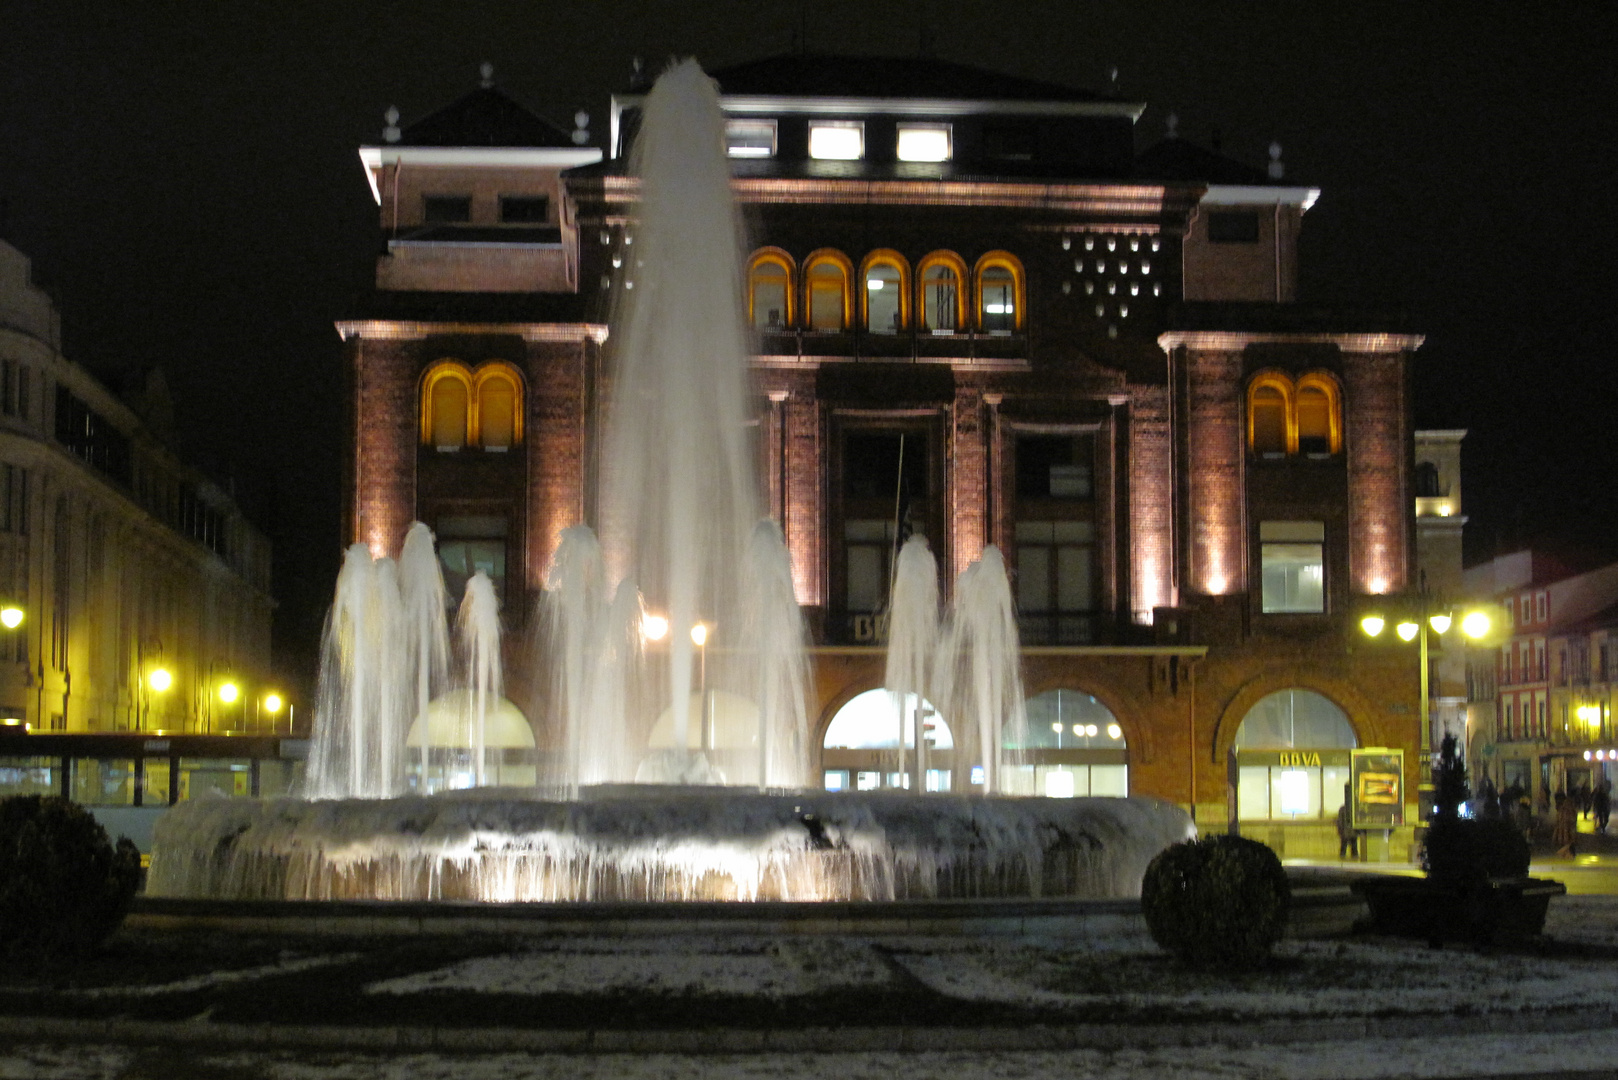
(1216, 902)
(63, 886)
(1468, 851)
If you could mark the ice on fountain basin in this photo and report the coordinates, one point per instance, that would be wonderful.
(665, 843)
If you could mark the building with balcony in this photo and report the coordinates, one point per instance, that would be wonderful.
(1552, 680)
(981, 293)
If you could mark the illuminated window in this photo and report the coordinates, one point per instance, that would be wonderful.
(1267, 419)
(1308, 786)
(941, 297)
(886, 280)
(1287, 417)
(836, 140)
(446, 406)
(497, 411)
(1000, 292)
(1292, 566)
(750, 138)
(1073, 746)
(924, 142)
(769, 290)
(828, 278)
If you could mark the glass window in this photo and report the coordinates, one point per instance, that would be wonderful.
(155, 782)
(828, 286)
(469, 543)
(497, 413)
(1292, 566)
(924, 142)
(1295, 719)
(883, 308)
(525, 209)
(201, 777)
(870, 721)
(768, 286)
(449, 409)
(833, 140)
(998, 287)
(1314, 421)
(447, 209)
(30, 776)
(750, 138)
(940, 292)
(1269, 419)
(104, 782)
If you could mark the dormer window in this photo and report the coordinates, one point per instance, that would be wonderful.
(446, 209)
(836, 140)
(750, 138)
(924, 142)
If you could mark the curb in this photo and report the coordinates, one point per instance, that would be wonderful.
(1104, 1037)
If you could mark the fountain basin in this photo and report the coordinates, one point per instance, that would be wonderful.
(625, 842)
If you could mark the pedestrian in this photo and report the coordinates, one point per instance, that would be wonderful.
(1348, 841)
(1602, 802)
(1565, 834)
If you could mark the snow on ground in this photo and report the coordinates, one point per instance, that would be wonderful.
(1361, 1059)
(744, 967)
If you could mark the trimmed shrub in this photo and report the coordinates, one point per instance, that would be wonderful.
(1469, 851)
(63, 886)
(1216, 902)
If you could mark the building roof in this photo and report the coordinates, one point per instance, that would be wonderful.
(818, 75)
(485, 117)
(1177, 159)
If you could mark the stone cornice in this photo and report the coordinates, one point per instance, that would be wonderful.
(414, 330)
(1235, 340)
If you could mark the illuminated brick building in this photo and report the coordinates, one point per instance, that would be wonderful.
(1091, 356)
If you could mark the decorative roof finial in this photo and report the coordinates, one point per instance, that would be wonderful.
(486, 75)
(581, 128)
(391, 132)
(1277, 169)
(1173, 126)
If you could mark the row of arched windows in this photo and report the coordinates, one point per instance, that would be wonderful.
(462, 407)
(1287, 416)
(883, 295)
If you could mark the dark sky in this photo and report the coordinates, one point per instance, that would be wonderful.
(184, 176)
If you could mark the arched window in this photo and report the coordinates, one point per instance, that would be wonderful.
(860, 750)
(1267, 418)
(446, 405)
(1284, 417)
(1292, 758)
(943, 292)
(1074, 746)
(886, 290)
(497, 407)
(769, 290)
(828, 281)
(1319, 429)
(1001, 292)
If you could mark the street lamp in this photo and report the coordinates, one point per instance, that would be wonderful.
(11, 616)
(1413, 625)
(151, 677)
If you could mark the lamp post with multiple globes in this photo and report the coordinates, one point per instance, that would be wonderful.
(1420, 616)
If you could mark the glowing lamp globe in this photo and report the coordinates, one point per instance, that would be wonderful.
(11, 616)
(1407, 630)
(160, 679)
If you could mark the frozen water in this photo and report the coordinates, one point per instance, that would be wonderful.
(665, 843)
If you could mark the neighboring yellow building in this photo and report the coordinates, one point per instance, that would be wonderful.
(141, 588)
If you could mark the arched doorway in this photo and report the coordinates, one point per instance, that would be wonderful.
(861, 749)
(1074, 746)
(1291, 758)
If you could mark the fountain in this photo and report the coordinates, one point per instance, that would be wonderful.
(674, 653)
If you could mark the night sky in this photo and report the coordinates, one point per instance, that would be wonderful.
(184, 176)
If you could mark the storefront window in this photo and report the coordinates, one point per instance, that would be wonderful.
(1292, 758)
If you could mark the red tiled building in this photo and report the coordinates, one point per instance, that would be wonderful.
(1093, 357)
